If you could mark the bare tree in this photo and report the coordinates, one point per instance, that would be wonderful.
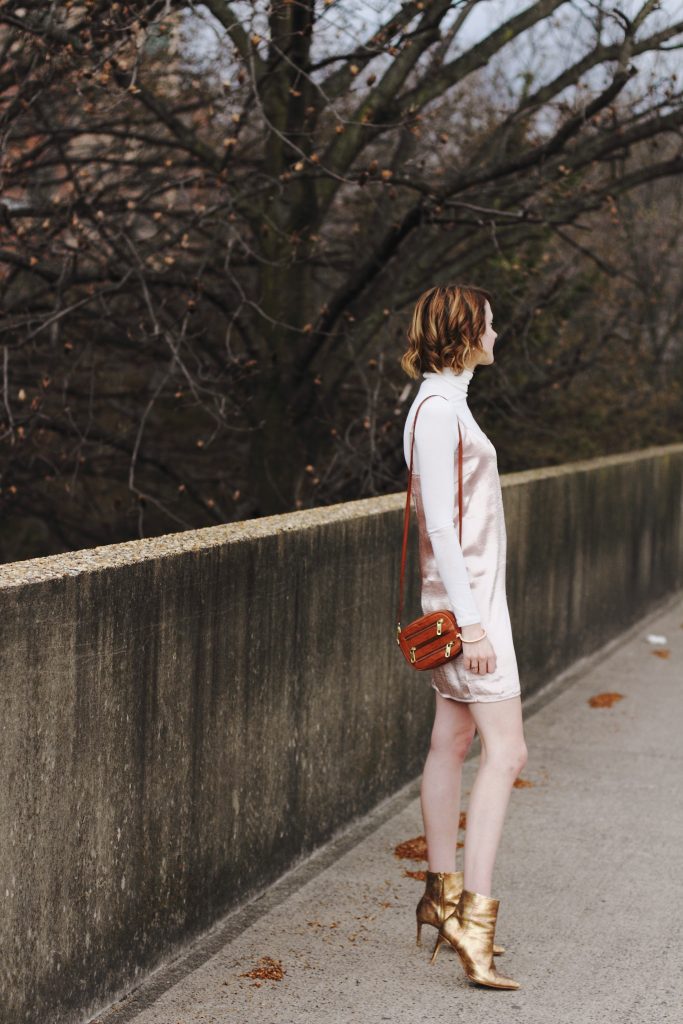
(206, 262)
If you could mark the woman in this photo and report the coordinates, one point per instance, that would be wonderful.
(450, 335)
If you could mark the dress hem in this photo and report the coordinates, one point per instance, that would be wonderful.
(477, 700)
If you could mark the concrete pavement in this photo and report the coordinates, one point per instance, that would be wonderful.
(589, 875)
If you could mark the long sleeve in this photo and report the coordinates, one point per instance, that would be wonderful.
(436, 445)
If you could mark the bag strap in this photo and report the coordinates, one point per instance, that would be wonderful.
(406, 516)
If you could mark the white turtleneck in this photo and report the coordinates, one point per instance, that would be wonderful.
(434, 460)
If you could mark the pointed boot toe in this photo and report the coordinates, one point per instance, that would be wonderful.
(470, 930)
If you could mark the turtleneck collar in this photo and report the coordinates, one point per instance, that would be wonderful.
(459, 381)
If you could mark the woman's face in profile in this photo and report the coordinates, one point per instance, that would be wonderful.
(488, 338)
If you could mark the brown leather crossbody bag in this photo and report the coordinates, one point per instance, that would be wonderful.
(432, 639)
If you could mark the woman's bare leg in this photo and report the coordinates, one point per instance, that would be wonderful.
(452, 734)
(504, 754)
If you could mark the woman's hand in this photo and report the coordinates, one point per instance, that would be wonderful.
(478, 657)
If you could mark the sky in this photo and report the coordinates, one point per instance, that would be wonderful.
(542, 51)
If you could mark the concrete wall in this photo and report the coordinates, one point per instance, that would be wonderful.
(183, 718)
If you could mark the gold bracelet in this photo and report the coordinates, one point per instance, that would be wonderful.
(471, 641)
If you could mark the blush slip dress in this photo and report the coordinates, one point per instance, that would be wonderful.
(470, 580)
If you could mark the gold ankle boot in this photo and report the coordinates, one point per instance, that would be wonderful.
(470, 930)
(439, 900)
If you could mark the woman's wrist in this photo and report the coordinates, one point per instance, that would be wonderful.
(473, 631)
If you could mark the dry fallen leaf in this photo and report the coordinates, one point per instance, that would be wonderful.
(412, 849)
(661, 652)
(605, 700)
(421, 876)
(520, 783)
(270, 970)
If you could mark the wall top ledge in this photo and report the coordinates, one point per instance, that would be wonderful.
(112, 556)
(590, 465)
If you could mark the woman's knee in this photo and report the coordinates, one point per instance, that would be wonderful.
(509, 757)
(453, 742)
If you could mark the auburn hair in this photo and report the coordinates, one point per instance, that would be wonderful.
(448, 322)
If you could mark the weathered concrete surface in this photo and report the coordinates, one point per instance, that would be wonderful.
(589, 875)
(185, 718)
(591, 546)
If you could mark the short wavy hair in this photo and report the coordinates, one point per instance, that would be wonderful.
(448, 322)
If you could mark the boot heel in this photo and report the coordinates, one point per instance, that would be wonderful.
(419, 929)
(437, 947)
